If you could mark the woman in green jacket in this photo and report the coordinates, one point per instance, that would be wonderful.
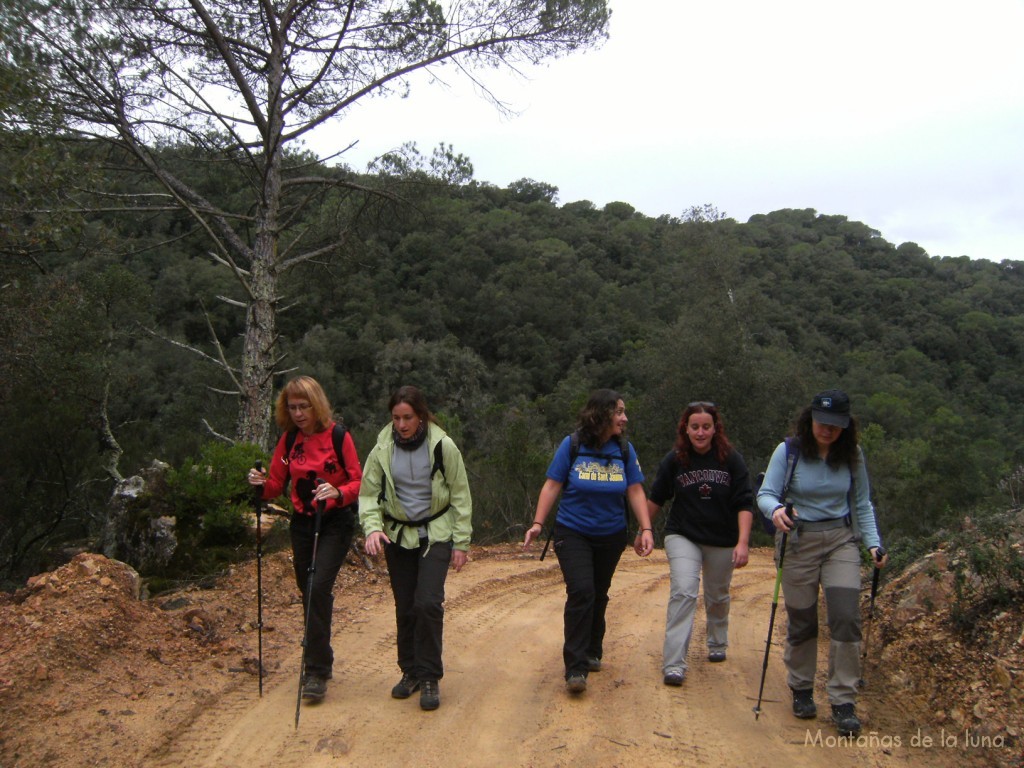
(415, 506)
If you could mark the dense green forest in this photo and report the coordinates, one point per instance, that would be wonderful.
(507, 308)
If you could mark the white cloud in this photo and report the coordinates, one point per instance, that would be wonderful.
(903, 114)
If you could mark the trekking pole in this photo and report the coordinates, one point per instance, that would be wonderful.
(771, 621)
(879, 554)
(257, 500)
(551, 532)
(309, 598)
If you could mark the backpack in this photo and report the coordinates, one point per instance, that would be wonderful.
(792, 454)
(337, 438)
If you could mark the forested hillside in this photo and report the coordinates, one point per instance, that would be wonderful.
(506, 307)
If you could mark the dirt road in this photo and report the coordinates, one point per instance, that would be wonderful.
(503, 699)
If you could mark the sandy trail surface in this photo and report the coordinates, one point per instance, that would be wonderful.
(503, 697)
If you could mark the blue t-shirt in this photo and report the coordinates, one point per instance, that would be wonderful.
(594, 488)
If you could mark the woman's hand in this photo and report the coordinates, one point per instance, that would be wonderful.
(643, 544)
(533, 532)
(459, 559)
(326, 491)
(256, 477)
(782, 520)
(740, 555)
(375, 542)
(879, 556)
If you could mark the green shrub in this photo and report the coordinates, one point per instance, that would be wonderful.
(210, 498)
(988, 565)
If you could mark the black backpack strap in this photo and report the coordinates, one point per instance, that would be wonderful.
(574, 447)
(338, 438)
(438, 461)
(792, 456)
(395, 522)
(289, 443)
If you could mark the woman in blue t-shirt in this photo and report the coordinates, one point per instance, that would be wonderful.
(597, 473)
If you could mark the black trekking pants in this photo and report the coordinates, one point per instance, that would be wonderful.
(417, 582)
(336, 529)
(588, 564)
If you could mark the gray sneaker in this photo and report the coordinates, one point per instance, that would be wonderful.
(593, 664)
(674, 677)
(314, 688)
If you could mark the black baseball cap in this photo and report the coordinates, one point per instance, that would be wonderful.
(831, 407)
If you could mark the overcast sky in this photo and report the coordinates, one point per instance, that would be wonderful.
(906, 115)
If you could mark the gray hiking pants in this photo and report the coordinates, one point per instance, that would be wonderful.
(831, 559)
(686, 561)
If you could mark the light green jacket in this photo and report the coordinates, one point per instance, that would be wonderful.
(450, 487)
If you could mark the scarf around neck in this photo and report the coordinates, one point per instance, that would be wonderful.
(411, 443)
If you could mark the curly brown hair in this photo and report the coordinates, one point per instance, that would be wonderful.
(597, 416)
(719, 441)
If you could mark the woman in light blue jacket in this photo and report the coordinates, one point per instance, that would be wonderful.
(827, 503)
(415, 506)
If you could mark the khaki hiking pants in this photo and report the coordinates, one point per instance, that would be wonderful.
(831, 559)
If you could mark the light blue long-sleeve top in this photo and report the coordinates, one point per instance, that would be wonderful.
(819, 492)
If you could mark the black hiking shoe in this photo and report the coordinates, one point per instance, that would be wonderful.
(576, 683)
(405, 687)
(430, 695)
(314, 688)
(593, 664)
(846, 720)
(803, 704)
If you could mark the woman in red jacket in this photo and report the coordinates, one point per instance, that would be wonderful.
(308, 451)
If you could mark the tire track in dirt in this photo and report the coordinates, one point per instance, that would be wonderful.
(503, 696)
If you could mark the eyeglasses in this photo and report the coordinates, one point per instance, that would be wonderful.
(701, 404)
(299, 406)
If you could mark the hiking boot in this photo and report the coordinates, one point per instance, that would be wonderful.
(846, 720)
(430, 695)
(593, 663)
(716, 657)
(803, 704)
(674, 677)
(314, 688)
(405, 687)
(576, 683)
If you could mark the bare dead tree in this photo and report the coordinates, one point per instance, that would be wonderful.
(246, 81)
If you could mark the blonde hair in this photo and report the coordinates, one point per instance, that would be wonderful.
(302, 388)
